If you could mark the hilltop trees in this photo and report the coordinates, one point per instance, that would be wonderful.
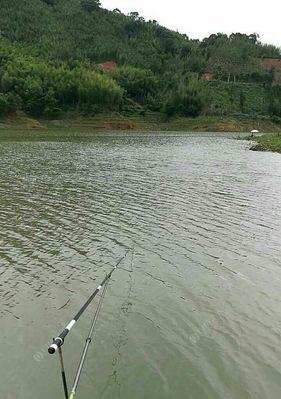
(49, 2)
(80, 30)
(49, 49)
(227, 62)
(234, 57)
(90, 5)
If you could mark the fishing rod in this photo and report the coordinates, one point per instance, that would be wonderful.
(59, 341)
(87, 344)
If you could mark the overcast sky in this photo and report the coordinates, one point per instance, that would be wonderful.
(200, 18)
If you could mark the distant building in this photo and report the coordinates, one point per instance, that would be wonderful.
(274, 65)
(207, 76)
(107, 66)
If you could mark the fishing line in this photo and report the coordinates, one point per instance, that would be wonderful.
(59, 341)
(121, 339)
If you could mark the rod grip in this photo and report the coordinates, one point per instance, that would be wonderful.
(57, 343)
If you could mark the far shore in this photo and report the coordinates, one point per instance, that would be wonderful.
(268, 139)
(150, 122)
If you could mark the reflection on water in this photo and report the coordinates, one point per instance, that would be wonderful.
(196, 313)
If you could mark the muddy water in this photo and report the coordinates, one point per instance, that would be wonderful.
(195, 311)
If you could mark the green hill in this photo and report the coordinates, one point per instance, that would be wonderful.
(49, 50)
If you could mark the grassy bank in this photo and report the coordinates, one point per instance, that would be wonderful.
(268, 142)
(152, 121)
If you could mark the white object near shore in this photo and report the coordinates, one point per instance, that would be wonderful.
(253, 132)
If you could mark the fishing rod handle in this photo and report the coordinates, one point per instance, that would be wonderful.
(59, 341)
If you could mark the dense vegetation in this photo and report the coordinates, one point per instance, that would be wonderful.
(49, 50)
(268, 142)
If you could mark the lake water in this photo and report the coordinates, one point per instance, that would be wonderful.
(195, 310)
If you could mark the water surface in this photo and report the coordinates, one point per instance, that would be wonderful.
(195, 311)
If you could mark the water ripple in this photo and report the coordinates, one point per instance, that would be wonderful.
(198, 315)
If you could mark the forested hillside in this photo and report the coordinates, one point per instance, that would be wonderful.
(49, 50)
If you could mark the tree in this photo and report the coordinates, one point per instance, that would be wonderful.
(90, 5)
(228, 61)
(50, 2)
(134, 15)
(4, 103)
(138, 83)
(187, 100)
(153, 22)
(274, 102)
(242, 99)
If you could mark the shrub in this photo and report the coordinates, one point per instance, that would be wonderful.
(138, 83)
(45, 88)
(186, 101)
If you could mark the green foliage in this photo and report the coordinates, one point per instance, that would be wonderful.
(231, 98)
(268, 142)
(186, 101)
(235, 57)
(48, 49)
(242, 99)
(90, 5)
(4, 103)
(49, 2)
(9, 102)
(274, 102)
(45, 88)
(138, 83)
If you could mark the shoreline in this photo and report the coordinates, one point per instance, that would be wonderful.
(151, 122)
(267, 142)
(269, 138)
